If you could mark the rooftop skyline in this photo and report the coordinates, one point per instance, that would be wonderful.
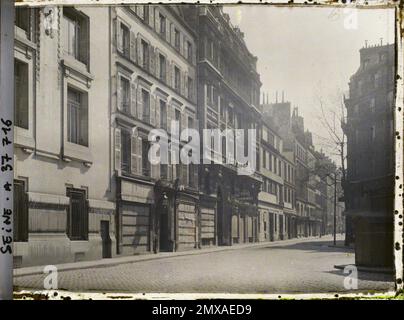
(310, 54)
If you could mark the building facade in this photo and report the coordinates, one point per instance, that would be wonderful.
(153, 61)
(370, 134)
(228, 98)
(63, 198)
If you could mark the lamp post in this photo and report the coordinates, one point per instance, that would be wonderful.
(335, 208)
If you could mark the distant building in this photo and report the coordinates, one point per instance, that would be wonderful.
(277, 196)
(370, 135)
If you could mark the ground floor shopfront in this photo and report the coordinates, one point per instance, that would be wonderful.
(154, 217)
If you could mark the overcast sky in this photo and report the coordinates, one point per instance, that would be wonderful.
(310, 53)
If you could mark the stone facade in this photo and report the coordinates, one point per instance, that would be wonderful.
(370, 134)
(60, 159)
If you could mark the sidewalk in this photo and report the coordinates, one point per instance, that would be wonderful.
(19, 272)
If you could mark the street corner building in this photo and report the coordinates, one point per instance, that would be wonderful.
(91, 83)
(369, 189)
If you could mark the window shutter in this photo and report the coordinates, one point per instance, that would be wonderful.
(182, 45)
(118, 149)
(133, 46)
(153, 61)
(133, 99)
(139, 51)
(182, 84)
(133, 154)
(139, 156)
(186, 90)
(151, 16)
(157, 120)
(169, 116)
(119, 93)
(155, 170)
(119, 36)
(185, 47)
(169, 72)
(157, 63)
(184, 121)
(139, 103)
(157, 18)
(152, 110)
(168, 33)
(184, 174)
(169, 167)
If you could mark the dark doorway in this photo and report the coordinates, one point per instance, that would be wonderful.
(271, 227)
(106, 239)
(163, 228)
(220, 218)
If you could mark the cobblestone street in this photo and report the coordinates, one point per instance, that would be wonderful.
(297, 266)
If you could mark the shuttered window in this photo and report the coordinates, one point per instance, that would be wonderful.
(126, 151)
(77, 218)
(20, 212)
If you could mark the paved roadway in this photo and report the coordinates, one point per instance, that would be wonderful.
(295, 266)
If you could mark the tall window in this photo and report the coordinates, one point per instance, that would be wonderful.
(162, 20)
(145, 54)
(77, 218)
(124, 39)
(177, 79)
(162, 71)
(125, 95)
(77, 117)
(126, 150)
(163, 114)
(21, 112)
(177, 39)
(146, 105)
(75, 35)
(189, 51)
(20, 212)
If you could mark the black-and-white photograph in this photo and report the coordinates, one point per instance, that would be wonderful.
(198, 149)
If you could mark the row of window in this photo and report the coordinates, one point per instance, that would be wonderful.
(272, 163)
(165, 28)
(134, 159)
(154, 62)
(210, 50)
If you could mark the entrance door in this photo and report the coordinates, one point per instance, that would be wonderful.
(163, 229)
(106, 240)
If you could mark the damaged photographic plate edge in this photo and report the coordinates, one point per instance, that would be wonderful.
(398, 148)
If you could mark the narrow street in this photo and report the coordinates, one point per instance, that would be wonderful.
(295, 266)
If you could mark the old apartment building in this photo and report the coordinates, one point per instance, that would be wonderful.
(228, 98)
(370, 132)
(153, 83)
(64, 203)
